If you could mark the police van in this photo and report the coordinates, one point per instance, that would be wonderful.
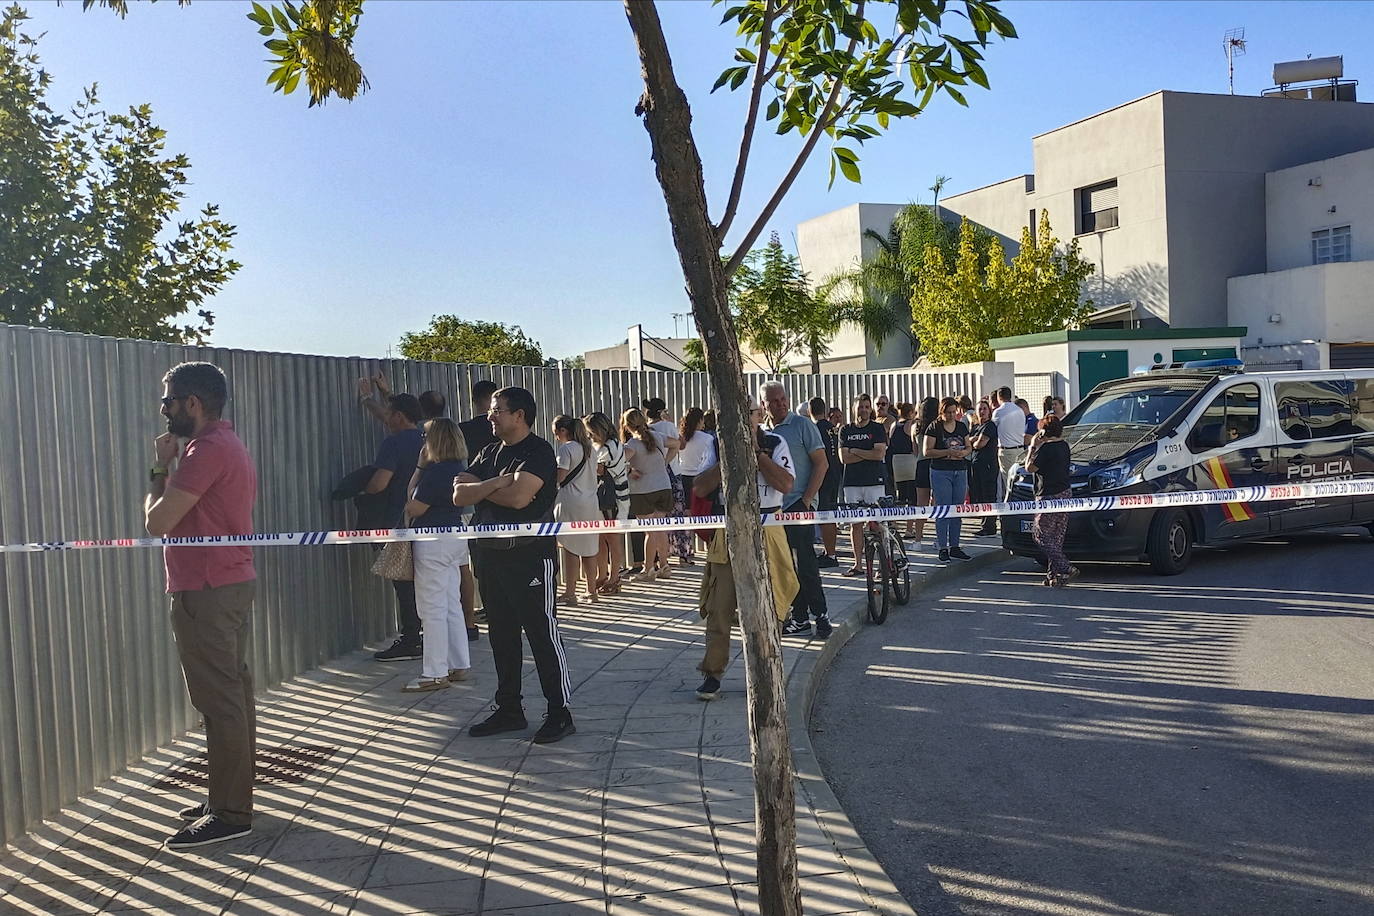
(1208, 425)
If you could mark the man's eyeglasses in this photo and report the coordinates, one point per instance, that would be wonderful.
(495, 410)
(169, 401)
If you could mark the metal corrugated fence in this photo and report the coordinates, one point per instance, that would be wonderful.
(89, 680)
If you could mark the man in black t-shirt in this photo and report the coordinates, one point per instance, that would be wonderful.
(515, 479)
(829, 494)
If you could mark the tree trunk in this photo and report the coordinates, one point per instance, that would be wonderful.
(668, 120)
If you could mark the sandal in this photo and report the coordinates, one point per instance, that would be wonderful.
(423, 684)
(610, 588)
(854, 571)
(567, 600)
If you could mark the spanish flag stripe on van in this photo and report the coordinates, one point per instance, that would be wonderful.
(1221, 479)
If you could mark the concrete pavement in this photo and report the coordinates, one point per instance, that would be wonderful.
(371, 800)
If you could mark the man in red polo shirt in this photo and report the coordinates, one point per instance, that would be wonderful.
(209, 491)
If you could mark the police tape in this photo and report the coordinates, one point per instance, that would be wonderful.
(1175, 498)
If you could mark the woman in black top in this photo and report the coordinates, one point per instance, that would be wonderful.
(929, 412)
(947, 446)
(1048, 460)
(901, 458)
(984, 470)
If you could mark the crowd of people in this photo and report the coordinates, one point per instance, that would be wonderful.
(494, 468)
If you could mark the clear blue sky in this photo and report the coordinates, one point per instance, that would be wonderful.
(496, 169)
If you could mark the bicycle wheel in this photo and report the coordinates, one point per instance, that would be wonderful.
(875, 563)
(900, 570)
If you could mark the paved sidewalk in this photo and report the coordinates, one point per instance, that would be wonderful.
(371, 800)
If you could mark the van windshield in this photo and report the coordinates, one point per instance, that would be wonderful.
(1146, 404)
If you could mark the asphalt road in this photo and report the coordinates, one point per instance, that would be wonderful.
(1133, 744)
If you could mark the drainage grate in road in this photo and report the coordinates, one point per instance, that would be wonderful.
(289, 764)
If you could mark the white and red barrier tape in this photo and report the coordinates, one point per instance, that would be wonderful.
(1343, 488)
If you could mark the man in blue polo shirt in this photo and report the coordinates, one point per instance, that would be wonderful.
(809, 466)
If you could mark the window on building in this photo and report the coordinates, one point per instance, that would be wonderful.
(1097, 207)
(1331, 245)
(1314, 409)
(1032, 225)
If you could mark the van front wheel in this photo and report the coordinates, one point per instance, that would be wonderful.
(1170, 542)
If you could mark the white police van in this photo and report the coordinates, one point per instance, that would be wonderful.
(1209, 425)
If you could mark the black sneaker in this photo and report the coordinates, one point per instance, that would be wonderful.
(709, 689)
(796, 628)
(207, 830)
(985, 533)
(823, 627)
(195, 812)
(404, 649)
(557, 726)
(474, 634)
(958, 554)
(826, 561)
(944, 556)
(502, 720)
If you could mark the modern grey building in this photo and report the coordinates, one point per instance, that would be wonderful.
(1170, 196)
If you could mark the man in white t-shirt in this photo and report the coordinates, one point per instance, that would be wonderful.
(718, 603)
(1011, 436)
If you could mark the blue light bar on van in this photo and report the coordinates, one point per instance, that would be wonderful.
(1227, 364)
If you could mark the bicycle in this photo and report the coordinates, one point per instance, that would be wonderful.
(885, 563)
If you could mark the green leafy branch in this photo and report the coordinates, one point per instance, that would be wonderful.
(314, 39)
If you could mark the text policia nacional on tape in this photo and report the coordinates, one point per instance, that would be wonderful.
(1342, 488)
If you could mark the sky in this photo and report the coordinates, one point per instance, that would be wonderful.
(496, 169)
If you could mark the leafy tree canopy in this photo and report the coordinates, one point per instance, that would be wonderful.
(775, 313)
(87, 203)
(956, 308)
(450, 339)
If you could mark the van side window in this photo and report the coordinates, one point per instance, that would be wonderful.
(1235, 413)
(1314, 409)
(1362, 400)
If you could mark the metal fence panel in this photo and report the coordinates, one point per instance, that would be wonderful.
(89, 679)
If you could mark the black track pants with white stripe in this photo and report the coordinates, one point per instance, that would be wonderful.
(518, 591)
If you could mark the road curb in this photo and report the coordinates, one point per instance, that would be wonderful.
(803, 685)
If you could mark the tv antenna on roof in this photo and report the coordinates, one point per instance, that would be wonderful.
(1233, 43)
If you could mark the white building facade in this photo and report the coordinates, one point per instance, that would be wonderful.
(1171, 196)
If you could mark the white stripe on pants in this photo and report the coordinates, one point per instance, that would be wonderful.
(438, 601)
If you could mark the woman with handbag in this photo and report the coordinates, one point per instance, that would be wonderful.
(576, 502)
(438, 564)
(612, 498)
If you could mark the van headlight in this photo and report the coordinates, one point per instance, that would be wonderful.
(1115, 476)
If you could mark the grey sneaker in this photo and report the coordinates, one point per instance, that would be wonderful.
(195, 812)
(796, 628)
(207, 830)
(404, 649)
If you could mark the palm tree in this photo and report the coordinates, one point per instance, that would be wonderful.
(876, 295)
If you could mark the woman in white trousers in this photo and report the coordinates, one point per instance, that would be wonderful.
(439, 564)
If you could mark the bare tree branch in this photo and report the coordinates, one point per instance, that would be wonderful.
(750, 119)
(823, 123)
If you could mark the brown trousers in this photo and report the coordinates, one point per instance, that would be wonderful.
(211, 629)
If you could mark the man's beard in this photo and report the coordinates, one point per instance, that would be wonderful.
(180, 425)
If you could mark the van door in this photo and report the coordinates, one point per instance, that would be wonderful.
(1315, 444)
(1362, 447)
(1233, 446)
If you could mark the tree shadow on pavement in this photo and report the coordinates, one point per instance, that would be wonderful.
(1123, 746)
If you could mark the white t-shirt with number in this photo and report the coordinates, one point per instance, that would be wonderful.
(782, 455)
